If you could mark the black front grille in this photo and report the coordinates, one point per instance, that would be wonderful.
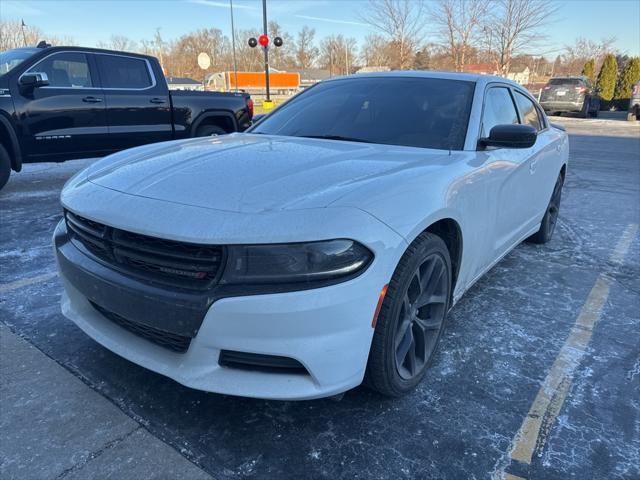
(177, 343)
(260, 362)
(178, 264)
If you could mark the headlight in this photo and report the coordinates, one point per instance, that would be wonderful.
(295, 262)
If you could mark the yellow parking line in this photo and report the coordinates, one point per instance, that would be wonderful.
(624, 244)
(541, 417)
(7, 287)
(509, 476)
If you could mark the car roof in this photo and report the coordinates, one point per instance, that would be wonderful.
(469, 77)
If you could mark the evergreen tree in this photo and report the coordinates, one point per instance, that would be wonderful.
(607, 77)
(630, 75)
(589, 69)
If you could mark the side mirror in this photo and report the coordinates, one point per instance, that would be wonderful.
(33, 80)
(510, 136)
(257, 118)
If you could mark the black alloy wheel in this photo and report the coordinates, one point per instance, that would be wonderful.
(421, 317)
(550, 219)
(411, 318)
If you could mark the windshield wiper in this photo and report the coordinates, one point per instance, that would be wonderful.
(336, 137)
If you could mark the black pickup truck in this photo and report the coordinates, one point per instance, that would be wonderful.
(59, 103)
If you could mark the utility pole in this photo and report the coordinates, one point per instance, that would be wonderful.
(266, 49)
(24, 36)
(233, 43)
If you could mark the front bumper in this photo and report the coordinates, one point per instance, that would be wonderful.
(328, 330)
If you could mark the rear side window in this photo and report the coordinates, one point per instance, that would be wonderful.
(124, 72)
(528, 111)
(498, 109)
(66, 70)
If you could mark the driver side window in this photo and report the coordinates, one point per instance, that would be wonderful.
(66, 70)
(498, 109)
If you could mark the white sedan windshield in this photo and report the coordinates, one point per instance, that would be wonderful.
(415, 112)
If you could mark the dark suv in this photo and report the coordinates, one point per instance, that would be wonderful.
(570, 94)
(59, 103)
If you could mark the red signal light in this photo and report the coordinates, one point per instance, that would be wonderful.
(263, 40)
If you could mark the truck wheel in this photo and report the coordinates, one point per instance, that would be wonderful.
(5, 167)
(209, 131)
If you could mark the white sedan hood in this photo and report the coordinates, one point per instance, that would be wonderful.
(253, 173)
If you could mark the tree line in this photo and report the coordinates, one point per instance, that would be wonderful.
(410, 34)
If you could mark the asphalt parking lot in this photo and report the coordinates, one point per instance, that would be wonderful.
(537, 377)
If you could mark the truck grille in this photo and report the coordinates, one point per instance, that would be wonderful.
(176, 264)
(172, 341)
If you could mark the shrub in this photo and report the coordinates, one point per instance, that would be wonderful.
(630, 75)
(589, 70)
(607, 77)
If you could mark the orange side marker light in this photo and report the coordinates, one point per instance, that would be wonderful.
(383, 293)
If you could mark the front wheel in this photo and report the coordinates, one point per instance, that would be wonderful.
(5, 167)
(550, 218)
(411, 318)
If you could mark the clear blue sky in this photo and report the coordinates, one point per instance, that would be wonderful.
(91, 21)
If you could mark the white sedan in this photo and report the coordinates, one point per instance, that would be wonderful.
(321, 248)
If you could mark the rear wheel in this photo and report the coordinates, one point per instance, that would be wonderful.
(550, 218)
(209, 131)
(586, 107)
(5, 166)
(411, 319)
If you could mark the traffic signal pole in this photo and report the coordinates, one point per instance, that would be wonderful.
(266, 50)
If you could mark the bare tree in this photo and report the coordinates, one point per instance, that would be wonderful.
(338, 54)
(306, 52)
(119, 42)
(182, 57)
(459, 23)
(402, 22)
(283, 57)
(375, 51)
(11, 36)
(582, 50)
(516, 25)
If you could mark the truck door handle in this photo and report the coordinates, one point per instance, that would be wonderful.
(157, 100)
(91, 99)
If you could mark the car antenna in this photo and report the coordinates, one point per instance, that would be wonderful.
(43, 44)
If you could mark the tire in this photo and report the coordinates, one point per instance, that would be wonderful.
(550, 219)
(5, 167)
(584, 113)
(209, 131)
(424, 272)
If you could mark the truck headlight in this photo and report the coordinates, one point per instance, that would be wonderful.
(295, 262)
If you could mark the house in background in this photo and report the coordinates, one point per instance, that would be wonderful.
(519, 75)
(183, 83)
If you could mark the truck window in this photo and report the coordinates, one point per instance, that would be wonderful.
(66, 70)
(124, 72)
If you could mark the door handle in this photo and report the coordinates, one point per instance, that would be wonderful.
(91, 99)
(157, 100)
